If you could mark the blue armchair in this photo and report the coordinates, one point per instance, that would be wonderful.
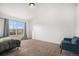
(70, 44)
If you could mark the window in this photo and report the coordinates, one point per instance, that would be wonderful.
(16, 27)
(1, 27)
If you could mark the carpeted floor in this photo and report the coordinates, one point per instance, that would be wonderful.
(37, 48)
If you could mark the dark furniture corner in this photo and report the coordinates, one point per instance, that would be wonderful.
(70, 44)
(9, 44)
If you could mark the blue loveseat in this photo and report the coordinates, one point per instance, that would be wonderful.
(70, 44)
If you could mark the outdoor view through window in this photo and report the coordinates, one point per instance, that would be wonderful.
(16, 27)
(1, 27)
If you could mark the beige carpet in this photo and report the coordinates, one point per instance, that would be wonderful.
(37, 48)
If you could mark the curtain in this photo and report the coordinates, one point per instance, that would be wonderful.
(6, 28)
(25, 34)
(25, 31)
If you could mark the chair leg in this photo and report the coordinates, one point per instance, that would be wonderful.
(61, 51)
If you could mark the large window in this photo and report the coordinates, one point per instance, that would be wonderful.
(1, 27)
(16, 27)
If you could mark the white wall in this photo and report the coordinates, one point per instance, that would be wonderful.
(29, 29)
(77, 21)
(53, 22)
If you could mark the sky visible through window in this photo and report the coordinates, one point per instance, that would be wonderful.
(13, 24)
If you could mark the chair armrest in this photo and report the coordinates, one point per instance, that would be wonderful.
(77, 42)
(66, 41)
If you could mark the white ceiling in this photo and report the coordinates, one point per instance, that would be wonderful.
(15, 10)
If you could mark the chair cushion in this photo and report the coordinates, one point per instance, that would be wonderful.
(75, 39)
